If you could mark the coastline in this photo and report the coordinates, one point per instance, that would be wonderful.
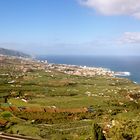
(86, 70)
(67, 68)
(117, 64)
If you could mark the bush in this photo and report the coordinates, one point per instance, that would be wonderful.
(6, 114)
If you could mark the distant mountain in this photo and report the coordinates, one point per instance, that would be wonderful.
(13, 53)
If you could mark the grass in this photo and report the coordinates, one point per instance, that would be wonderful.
(26, 130)
(107, 96)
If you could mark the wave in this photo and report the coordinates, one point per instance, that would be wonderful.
(122, 73)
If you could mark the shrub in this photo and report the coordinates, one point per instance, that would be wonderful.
(6, 114)
(97, 132)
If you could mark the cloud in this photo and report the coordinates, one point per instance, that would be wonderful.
(130, 38)
(100, 46)
(114, 7)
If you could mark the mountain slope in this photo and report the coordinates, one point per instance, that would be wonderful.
(12, 53)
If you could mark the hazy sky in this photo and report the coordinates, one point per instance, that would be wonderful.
(87, 27)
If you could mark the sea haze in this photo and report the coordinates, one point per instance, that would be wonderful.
(116, 63)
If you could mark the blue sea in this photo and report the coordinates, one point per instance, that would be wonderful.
(121, 63)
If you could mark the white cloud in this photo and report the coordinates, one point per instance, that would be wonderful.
(114, 7)
(130, 38)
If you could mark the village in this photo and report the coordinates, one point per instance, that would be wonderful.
(28, 65)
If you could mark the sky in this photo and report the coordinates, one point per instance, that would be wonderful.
(71, 27)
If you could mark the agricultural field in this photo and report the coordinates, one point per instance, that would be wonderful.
(49, 104)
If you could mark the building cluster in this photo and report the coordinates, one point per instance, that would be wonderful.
(81, 70)
(29, 65)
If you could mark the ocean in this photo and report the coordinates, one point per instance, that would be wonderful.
(121, 63)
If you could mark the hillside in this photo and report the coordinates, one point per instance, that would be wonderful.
(13, 53)
(54, 102)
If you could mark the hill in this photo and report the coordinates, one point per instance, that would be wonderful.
(55, 102)
(13, 53)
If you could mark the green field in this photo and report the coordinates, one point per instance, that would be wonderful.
(112, 104)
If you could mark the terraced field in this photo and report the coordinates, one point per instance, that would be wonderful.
(49, 104)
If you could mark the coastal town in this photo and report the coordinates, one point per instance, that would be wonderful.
(28, 65)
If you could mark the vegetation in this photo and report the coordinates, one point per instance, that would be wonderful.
(48, 104)
(12, 53)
